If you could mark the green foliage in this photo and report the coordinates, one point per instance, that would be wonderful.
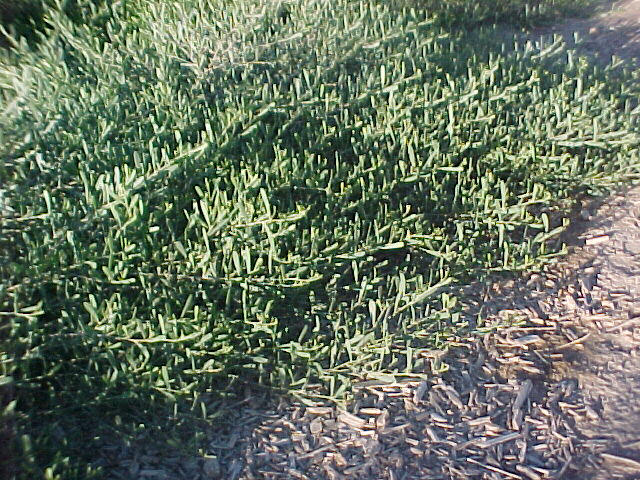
(200, 195)
(27, 18)
(21, 17)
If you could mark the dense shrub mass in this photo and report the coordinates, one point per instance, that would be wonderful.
(197, 197)
(27, 18)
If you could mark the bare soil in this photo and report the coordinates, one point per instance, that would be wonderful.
(613, 30)
(555, 395)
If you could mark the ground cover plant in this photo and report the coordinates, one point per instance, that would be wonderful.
(26, 18)
(198, 198)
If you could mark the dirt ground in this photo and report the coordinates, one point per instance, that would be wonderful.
(554, 396)
(613, 30)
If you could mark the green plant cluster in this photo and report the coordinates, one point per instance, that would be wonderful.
(199, 196)
(26, 18)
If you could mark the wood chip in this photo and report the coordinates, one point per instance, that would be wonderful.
(523, 393)
(494, 469)
(351, 470)
(436, 417)
(339, 460)
(351, 420)
(470, 443)
(626, 323)
(316, 452)
(527, 472)
(571, 302)
(396, 429)
(528, 339)
(381, 421)
(501, 439)
(412, 441)
(420, 391)
(479, 421)
(597, 240)
(319, 410)
(577, 341)
(315, 426)
(453, 396)
(432, 434)
(297, 474)
(623, 461)
(371, 411)
(332, 474)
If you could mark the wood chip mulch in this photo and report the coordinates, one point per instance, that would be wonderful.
(469, 423)
(492, 415)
